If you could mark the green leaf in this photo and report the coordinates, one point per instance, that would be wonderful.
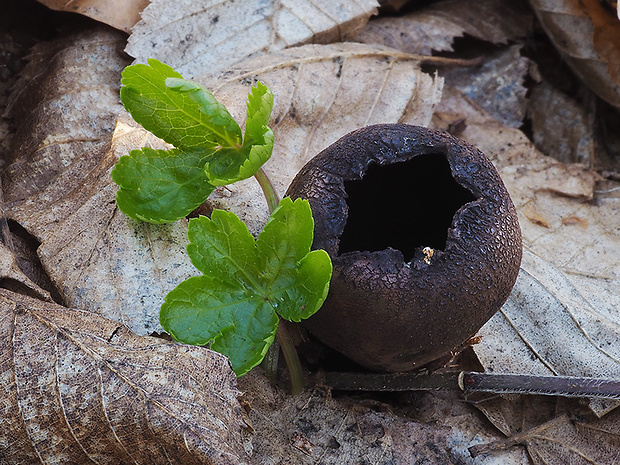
(202, 308)
(232, 165)
(180, 112)
(247, 283)
(260, 104)
(160, 186)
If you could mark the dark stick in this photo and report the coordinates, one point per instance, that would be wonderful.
(565, 386)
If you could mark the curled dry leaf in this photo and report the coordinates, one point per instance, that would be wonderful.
(555, 431)
(562, 315)
(196, 37)
(588, 36)
(120, 14)
(503, 98)
(79, 388)
(11, 274)
(59, 189)
(435, 27)
(561, 126)
(64, 106)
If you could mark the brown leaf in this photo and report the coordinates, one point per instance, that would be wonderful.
(561, 126)
(12, 274)
(561, 317)
(78, 388)
(588, 37)
(321, 93)
(120, 14)
(435, 27)
(65, 107)
(504, 98)
(59, 189)
(209, 36)
(554, 431)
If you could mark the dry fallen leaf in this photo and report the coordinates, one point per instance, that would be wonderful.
(208, 36)
(435, 27)
(12, 276)
(588, 37)
(120, 14)
(79, 388)
(561, 127)
(59, 189)
(562, 315)
(554, 431)
(65, 107)
(497, 85)
(321, 93)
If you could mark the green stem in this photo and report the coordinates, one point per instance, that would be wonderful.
(292, 359)
(270, 362)
(268, 190)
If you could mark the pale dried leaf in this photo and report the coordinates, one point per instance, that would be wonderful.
(321, 93)
(78, 388)
(208, 36)
(564, 438)
(120, 14)
(562, 315)
(58, 187)
(65, 107)
(435, 27)
(588, 37)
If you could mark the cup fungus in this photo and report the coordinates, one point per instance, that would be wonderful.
(424, 241)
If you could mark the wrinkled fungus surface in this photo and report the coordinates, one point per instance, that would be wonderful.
(423, 237)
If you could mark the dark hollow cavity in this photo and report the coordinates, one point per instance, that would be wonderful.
(402, 205)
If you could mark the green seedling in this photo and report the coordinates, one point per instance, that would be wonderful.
(246, 284)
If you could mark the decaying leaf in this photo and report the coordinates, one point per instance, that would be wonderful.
(562, 315)
(554, 431)
(497, 85)
(120, 14)
(208, 36)
(561, 127)
(321, 92)
(435, 27)
(79, 388)
(588, 37)
(58, 187)
(11, 272)
(65, 107)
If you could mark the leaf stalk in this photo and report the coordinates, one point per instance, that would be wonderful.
(269, 190)
(291, 357)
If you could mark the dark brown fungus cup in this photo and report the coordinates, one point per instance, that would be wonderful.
(424, 240)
